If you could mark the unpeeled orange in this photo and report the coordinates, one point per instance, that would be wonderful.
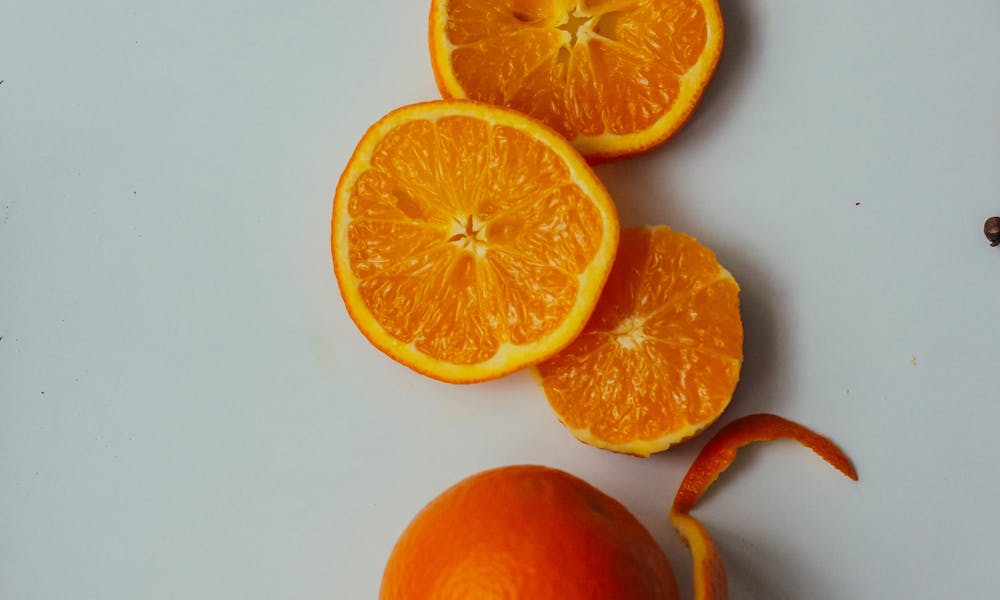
(526, 533)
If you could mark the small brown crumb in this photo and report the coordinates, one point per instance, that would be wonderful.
(992, 230)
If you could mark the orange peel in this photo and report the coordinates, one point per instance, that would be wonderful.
(710, 582)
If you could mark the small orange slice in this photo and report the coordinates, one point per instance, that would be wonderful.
(468, 240)
(659, 360)
(614, 76)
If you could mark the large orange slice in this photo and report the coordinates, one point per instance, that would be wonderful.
(614, 76)
(468, 240)
(659, 360)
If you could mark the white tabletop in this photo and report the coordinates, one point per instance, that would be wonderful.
(186, 411)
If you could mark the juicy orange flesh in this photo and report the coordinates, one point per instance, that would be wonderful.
(587, 67)
(662, 349)
(465, 236)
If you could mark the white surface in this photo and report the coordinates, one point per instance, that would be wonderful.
(187, 411)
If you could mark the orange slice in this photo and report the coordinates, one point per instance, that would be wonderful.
(468, 240)
(614, 76)
(659, 360)
(710, 582)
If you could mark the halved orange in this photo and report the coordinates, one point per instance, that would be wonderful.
(660, 357)
(469, 241)
(614, 76)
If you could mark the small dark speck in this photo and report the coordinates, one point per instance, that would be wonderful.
(857, 204)
(992, 230)
(43, 393)
(133, 192)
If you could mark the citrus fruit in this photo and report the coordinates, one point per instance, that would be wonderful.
(614, 76)
(660, 357)
(526, 533)
(710, 581)
(469, 240)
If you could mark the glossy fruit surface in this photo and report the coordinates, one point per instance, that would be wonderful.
(526, 533)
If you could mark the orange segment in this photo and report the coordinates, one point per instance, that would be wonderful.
(469, 241)
(614, 76)
(660, 357)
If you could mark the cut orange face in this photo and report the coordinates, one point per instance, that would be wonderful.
(614, 76)
(469, 241)
(660, 357)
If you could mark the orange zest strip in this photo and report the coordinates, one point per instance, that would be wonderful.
(720, 452)
(709, 571)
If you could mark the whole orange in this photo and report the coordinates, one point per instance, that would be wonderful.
(526, 532)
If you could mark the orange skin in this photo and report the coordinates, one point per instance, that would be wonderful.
(526, 532)
(720, 452)
(709, 569)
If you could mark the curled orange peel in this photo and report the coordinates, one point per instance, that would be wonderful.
(720, 452)
(709, 570)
